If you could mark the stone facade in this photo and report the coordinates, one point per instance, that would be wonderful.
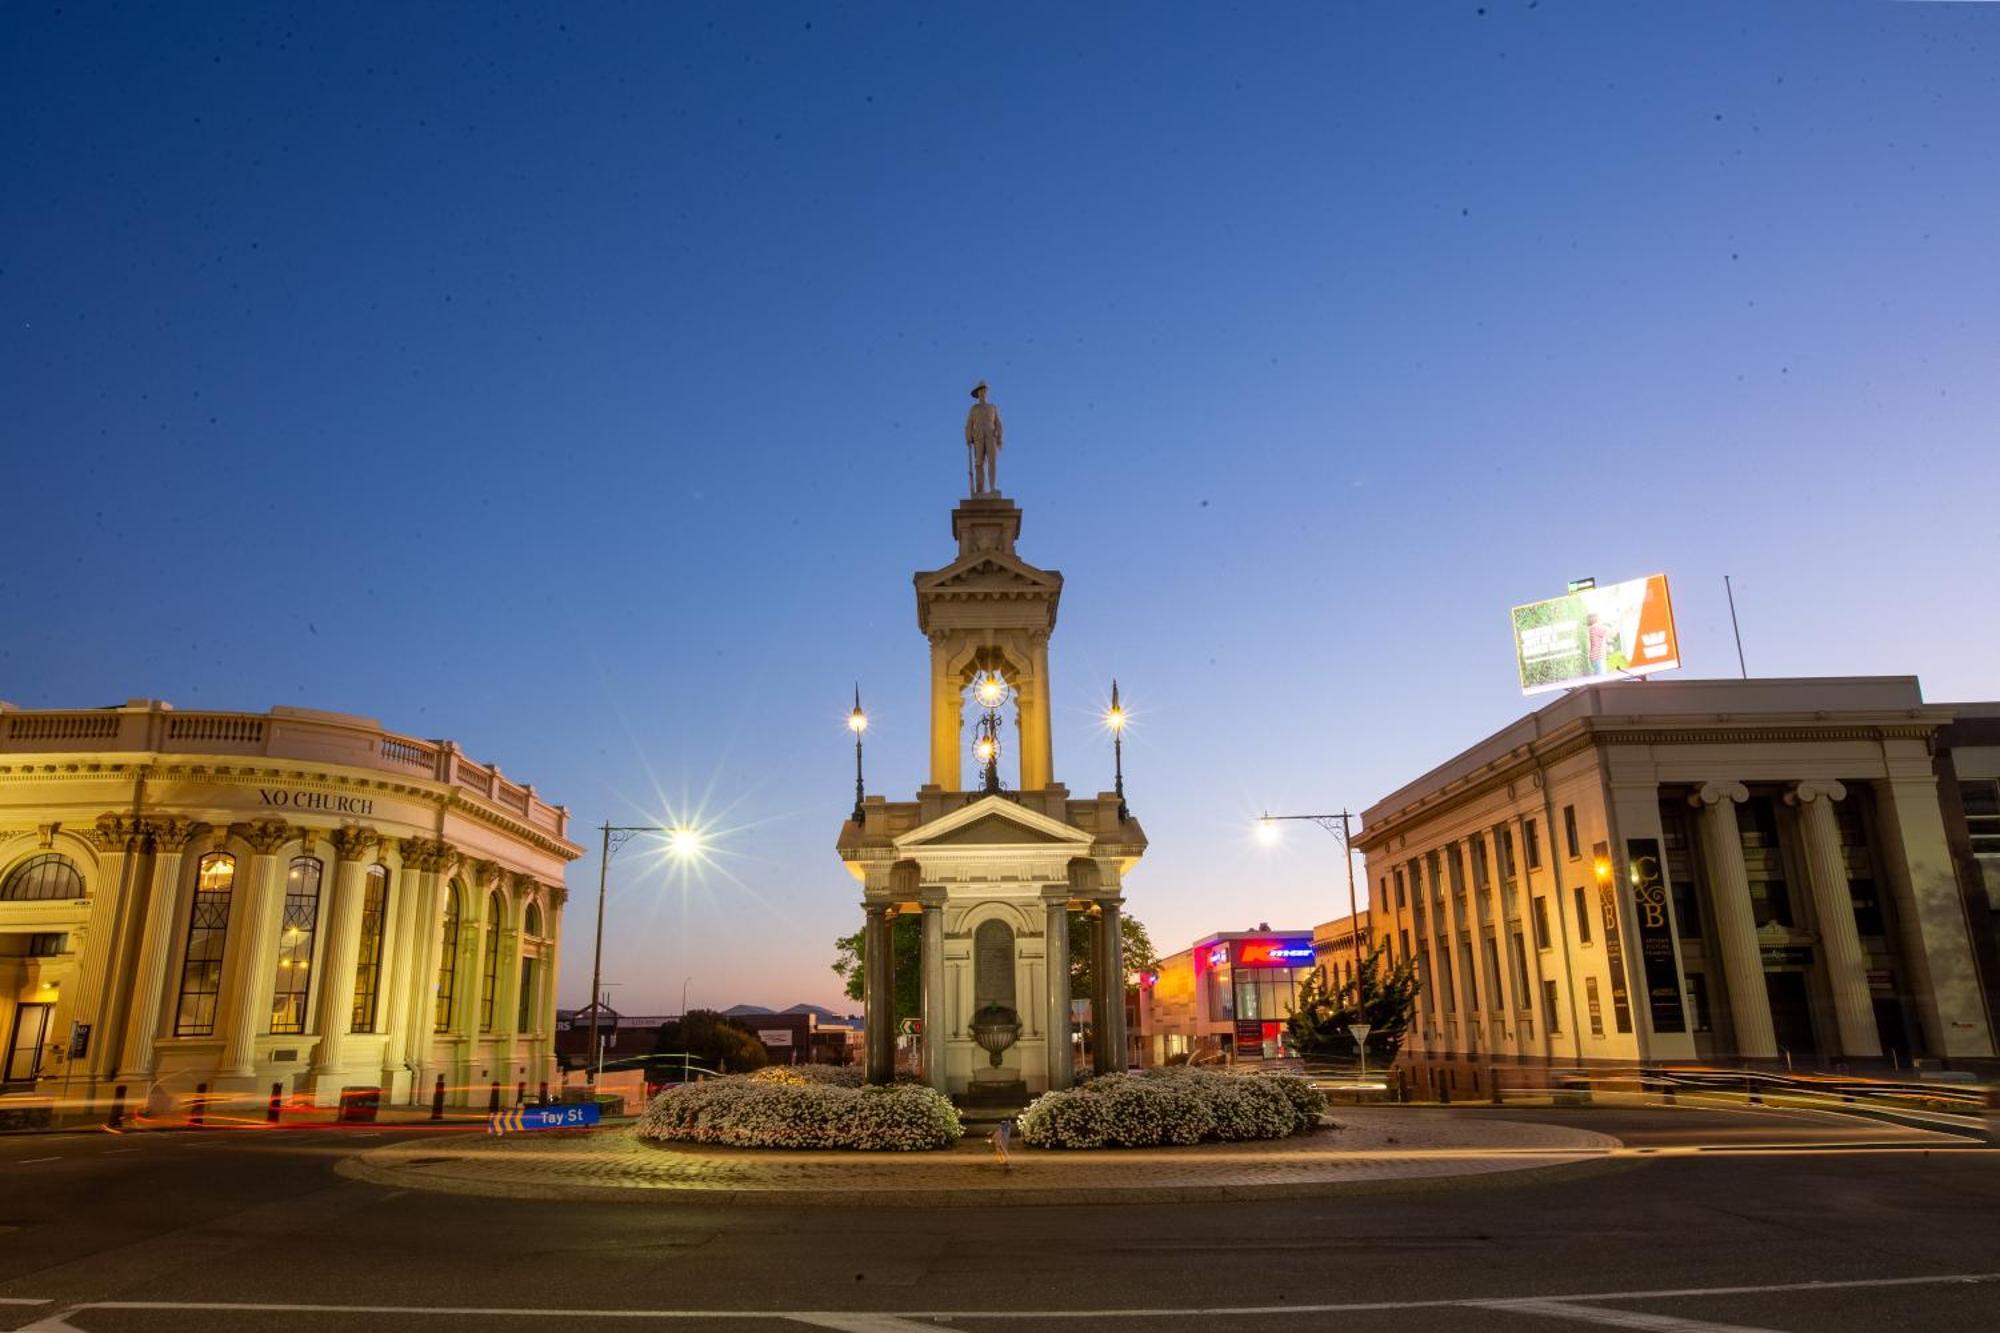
(232, 901)
(1690, 870)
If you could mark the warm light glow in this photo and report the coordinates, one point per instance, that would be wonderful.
(991, 691)
(985, 750)
(1115, 719)
(1603, 870)
(685, 842)
(857, 721)
(1268, 831)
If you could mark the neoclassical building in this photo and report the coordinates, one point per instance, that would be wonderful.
(236, 902)
(1745, 871)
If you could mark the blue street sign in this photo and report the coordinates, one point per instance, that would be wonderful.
(581, 1115)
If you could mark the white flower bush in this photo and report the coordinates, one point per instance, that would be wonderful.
(1172, 1106)
(839, 1076)
(785, 1108)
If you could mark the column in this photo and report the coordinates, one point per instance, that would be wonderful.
(117, 839)
(933, 980)
(399, 954)
(246, 1006)
(558, 895)
(1735, 933)
(878, 994)
(947, 716)
(351, 845)
(1037, 764)
(1108, 1005)
(149, 981)
(1935, 939)
(427, 946)
(1055, 947)
(1449, 922)
(1839, 941)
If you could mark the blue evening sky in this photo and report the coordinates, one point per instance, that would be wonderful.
(584, 384)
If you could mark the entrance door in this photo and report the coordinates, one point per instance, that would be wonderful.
(24, 1047)
(1791, 1012)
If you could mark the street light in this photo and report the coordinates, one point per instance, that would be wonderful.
(990, 691)
(1339, 827)
(684, 842)
(1114, 718)
(857, 722)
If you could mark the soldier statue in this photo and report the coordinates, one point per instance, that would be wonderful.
(982, 443)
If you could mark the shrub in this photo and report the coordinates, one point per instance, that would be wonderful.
(785, 1108)
(1176, 1105)
(799, 1076)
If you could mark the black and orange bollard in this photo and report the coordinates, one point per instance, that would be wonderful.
(437, 1099)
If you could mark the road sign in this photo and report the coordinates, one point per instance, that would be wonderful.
(1359, 1031)
(911, 1027)
(581, 1115)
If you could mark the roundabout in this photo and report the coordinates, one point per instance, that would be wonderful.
(1371, 1150)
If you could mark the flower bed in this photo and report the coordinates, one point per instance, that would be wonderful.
(787, 1109)
(1172, 1106)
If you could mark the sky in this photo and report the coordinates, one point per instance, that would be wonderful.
(584, 384)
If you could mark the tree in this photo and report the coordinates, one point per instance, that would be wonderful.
(1383, 995)
(906, 947)
(708, 1040)
(1137, 945)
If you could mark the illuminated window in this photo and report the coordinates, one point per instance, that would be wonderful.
(208, 933)
(41, 879)
(490, 974)
(447, 978)
(291, 992)
(368, 954)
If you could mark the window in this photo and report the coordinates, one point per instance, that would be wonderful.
(1594, 1005)
(291, 992)
(1697, 992)
(41, 879)
(1856, 853)
(1493, 997)
(1582, 916)
(1541, 922)
(1570, 842)
(1444, 978)
(1504, 836)
(531, 921)
(1403, 939)
(1425, 979)
(447, 977)
(1549, 1019)
(1519, 957)
(1469, 977)
(208, 933)
(1981, 802)
(524, 1019)
(489, 975)
(368, 954)
(48, 944)
(1764, 862)
(1482, 872)
(1534, 840)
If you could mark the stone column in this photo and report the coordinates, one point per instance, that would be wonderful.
(1037, 762)
(1735, 932)
(1839, 941)
(1936, 941)
(91, 996)
(160, 936)
(933, 980)
(247, 1008)
(399, 954)
(878, 995)
(427, 944)
(545, 980)
(1055, 946)
(947, 716)
(351, 845)
(1108, 1005)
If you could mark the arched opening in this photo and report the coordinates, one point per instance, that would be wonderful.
(368, 954)
(48, 877)
(447, 977)
(291, 989)
(207, 936)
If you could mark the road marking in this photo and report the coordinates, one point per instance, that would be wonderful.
(114, 1152)
(864, 1323)
(1591, 1314)
(1570, 1305)
(30, 1161)
(25, 1300)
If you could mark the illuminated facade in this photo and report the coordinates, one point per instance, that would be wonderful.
(1756, 870)
(228, 902)
(1229, 995)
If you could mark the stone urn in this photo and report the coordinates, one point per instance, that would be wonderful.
(995, 1027)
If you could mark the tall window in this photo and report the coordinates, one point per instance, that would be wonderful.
(1570, 841)
(368, 953)
(524, 1017)
(447, 979)
(208, 932)
(1506, 841)
(1764, 862)
(1582, 916)
(1550, 1021)
(1541, 922)
(489, 975)
(291, 994)
(531, 922)
(42, 879)
(1534, 843)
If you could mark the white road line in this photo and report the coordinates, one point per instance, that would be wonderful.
(1592, 1314)
(24, 1300)
(30, 1161)
(1570, 1303)
(864, 1323)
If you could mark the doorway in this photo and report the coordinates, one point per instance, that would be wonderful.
(24, 1044)
(1791, 1012)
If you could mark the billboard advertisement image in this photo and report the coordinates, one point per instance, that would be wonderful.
(1596, 634)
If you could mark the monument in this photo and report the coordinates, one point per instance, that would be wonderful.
(997, 868)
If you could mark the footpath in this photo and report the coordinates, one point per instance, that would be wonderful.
(1370, 1148)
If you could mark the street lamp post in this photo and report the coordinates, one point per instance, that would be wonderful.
(1115, 719)
(682, 841)
(1338, 825)
(857, 722)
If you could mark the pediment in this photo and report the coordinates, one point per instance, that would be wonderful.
(994, 821)
(988, 570)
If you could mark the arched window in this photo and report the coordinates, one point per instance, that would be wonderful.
(291, 993)
(447, 979)
(368, 953)
(40, 879)
(531, 922)
(490, 974)
(208, 932)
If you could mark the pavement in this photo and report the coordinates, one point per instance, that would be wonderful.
(1713, 1220)
(1365, 1147)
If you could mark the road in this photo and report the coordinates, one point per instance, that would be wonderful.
(182, 1231)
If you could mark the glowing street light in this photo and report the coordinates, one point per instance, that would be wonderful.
(684, 843)
(1114, 718)
(857, 722)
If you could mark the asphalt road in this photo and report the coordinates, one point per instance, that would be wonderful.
(188, 1229)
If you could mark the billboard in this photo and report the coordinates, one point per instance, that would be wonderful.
(1282, 951)
(1596, 634)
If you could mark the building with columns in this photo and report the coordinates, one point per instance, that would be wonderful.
(224, 903)
(1741, 871)
(999, 869)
